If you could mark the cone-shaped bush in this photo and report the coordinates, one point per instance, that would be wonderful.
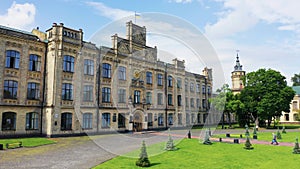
(170, 144)
(296, 149)
(143, 161)
(248, 145)
(247, 134)
(278, 134)
(254, 131)
(206, 138)
(283, 130)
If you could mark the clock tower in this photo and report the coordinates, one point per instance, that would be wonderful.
(236, 76)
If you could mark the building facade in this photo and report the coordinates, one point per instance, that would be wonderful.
(55, 83)
(293, 115)
(236, 77)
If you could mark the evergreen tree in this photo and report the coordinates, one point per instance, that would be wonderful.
(170, 144)
(247, 134)
(278, 135)
(248, 145)
(143, 161)
(206, 138)
(296, 149)
(254, 131)
(283, 130)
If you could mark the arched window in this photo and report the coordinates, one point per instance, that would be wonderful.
(32, 121)
(105, 120)
(137, 96)
(106, 70)
(170, 81)
(66, 121)
(12, 59)
(34, 63)
(9, 121)
(68, 64)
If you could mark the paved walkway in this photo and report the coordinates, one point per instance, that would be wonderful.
(86, 152)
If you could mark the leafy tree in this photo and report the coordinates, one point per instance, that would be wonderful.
(226, 103)
(266, 95)
(296, 80)
(143, 161)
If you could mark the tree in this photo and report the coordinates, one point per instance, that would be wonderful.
(296, 79)
(266, 95)
(296, 149)
(143, 161)
(170, 144)
(226, 103)
(248, 145)
(278, 135)
(206, 140)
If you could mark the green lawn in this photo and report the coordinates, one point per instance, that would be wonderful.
(266, 136)
(192, 154)
(28, 142)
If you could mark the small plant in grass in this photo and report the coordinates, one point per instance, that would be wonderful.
(247, 134)
(206, 138)
(254, 131)
(296, 149)
(248, 145)
(278, 135)
(143, 161)
(283, 130)
(170, 144)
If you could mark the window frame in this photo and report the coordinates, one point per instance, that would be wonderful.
(33, 91)
(12, 59)
(32, 121)
(106, 70)
(106, 95)
(149, 78)
(34, 63)
(11, 118)
(10, 86)
(87, 121)
(88, 67)
(105, 120)
(122, 73)
(67, 91)
(66, 122)
(68, 63)
(88, 93)
(159, 79)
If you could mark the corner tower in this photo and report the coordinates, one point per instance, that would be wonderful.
(236, 76)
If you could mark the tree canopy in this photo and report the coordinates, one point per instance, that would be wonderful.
(266, 94)
(296, 80)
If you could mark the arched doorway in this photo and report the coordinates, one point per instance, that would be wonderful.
(138, 121)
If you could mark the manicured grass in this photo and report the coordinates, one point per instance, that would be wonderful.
(266, 136)
(192, 154)
(28, 142)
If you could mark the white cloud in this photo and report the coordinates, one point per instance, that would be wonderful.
(111, 13)
(20, 16)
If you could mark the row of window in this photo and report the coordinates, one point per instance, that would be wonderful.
(13, 61)
(11, 90)
(9, 121)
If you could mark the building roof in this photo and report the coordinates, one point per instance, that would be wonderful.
(16, 30)
(296, 89)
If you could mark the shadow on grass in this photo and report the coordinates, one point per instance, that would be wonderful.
(154, 164)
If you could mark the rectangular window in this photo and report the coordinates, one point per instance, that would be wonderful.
(159, 79)
(33, 91)
(12, 59)
(121, 120)
(186, 84)
(137, 97)
(187, 119)
(150, 119)
(186, 102)
(148, 98)
(159, 98)
(170, 81)
(114, 119)
(199, 118)
(88, 67)
(179, 83)
(198, 103)
(204, 103)
(66, 121)
(193, 118)
(88, 93)
(179, 100)
(203, 89)
(121, 95)
(105, 120)
(105, 95)
(10, 89)
(32, 120)
(198, 88)
(34, 63)
(67, 91)
(170, 99)
(149, 77)
(106, 70)
(160, 119)
(122, 73)
(192, 87)
(192, 102)
(68, 64)
(179, 119)
(170, 119)
(208, 90)
(295, 105)
(87, 121)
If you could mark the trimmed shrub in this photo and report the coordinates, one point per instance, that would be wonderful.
(206, 138)
(170, 143)
(296, 149)
(143, 161)
(248, 145)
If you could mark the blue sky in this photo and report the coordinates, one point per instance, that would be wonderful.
(266, 32)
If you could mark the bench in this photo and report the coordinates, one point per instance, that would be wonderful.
(14, 145)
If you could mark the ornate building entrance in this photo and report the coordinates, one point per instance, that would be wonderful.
(138, 121)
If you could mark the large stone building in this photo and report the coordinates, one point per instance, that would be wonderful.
(55, 83)
(293, 115)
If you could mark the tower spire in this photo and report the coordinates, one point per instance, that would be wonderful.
(238, 66)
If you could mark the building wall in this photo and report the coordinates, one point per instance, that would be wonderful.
(131, 53)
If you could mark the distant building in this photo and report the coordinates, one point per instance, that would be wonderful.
(293, 115)
(236, 77)
(55, 83)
